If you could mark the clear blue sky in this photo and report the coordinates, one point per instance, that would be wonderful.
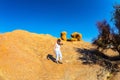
(55, 16)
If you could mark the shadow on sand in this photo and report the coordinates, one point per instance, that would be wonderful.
(50, 57)
(94, 56)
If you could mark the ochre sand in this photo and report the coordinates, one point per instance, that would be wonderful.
(23, 56)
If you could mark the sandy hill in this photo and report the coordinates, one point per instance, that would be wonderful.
(28, 56)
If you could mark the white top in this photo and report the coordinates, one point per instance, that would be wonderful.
(57, 47)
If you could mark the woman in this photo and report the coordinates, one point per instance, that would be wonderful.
(58, 51)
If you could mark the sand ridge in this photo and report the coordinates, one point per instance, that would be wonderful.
(23, 56)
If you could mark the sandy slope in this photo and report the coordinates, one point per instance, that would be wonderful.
(23, 56)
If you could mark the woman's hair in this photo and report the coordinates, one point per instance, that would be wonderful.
(58, 40)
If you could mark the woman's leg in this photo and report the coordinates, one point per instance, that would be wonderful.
(57, 55)
(60, 55)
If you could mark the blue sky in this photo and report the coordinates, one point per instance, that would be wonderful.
(55, 16)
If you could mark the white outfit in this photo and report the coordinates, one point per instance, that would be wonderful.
(58, 52)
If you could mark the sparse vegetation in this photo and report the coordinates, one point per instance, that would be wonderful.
(108, 38)
(64, 36)
(74, 36)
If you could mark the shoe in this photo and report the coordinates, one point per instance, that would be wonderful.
(56, 62)
(60, 62)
